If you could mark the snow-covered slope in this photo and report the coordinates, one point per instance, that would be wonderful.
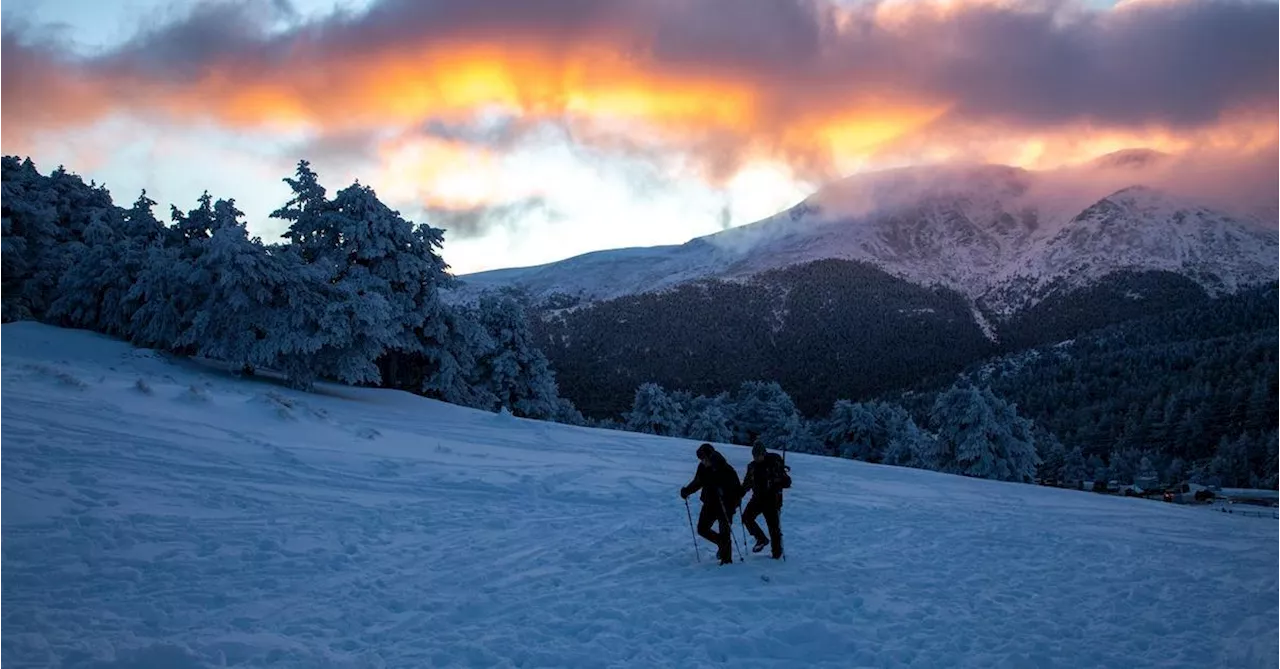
(1142, 228)
(163, 514)
(994, 233)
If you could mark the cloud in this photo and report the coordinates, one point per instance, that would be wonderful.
(815, 84)
(478, 221)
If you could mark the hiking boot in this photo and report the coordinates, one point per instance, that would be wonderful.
(760, 544)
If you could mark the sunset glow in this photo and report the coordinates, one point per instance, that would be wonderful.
(806, 93)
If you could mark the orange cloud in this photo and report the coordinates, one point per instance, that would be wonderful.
(824, 87)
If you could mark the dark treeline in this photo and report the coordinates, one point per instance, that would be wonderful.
(351, 295)
(1192, 390)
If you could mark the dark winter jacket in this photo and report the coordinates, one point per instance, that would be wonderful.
(768, 477)
(719, 482)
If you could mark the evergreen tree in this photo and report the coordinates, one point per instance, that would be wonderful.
(803, 436)
(708, 419)
(567, 414)
(253, 314)
(1052, 454)
(513, 369)
(1074, 469)
(1230, 465)
(93, 293)
(763, 411)
(173, 282)
(386, 273)
(874, 432)
(981, 435)
(853, 431)
(654, 412)
(1124, 465)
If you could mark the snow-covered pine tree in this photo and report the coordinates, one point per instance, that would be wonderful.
(448, 370)
(172, 283)
(908, 445)
(28, 227)
(386, 272)
(874, 432)
(44, 222)
(567, 413)
(514, 370)
(94, 293)
(91, 293)
(394, 257)
(80, 207)
(1051, 452)
(311, 231)
(707, 419)
(982, 436)
(254, 313)
(851, 431)
(764, 410)
(654, 412)
(803, 436)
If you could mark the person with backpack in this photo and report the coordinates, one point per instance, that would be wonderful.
(721, 494)
(766, 478)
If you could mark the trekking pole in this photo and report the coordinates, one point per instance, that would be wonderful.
(779, 503)
(689, 514)
(743, 519)
(729, 528)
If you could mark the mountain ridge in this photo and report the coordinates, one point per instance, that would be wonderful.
(1000, 235)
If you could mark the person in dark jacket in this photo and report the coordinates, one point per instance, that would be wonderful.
(766, 478)
(721, 494)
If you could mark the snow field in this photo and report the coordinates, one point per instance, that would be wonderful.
(165, 514)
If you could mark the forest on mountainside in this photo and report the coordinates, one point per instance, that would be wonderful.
(824, 330)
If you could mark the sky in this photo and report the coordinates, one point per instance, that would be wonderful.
(534, 130)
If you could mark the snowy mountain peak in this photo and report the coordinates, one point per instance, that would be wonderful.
(1141, 229)
(997, 234)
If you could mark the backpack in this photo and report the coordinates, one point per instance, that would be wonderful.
(777, 473)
